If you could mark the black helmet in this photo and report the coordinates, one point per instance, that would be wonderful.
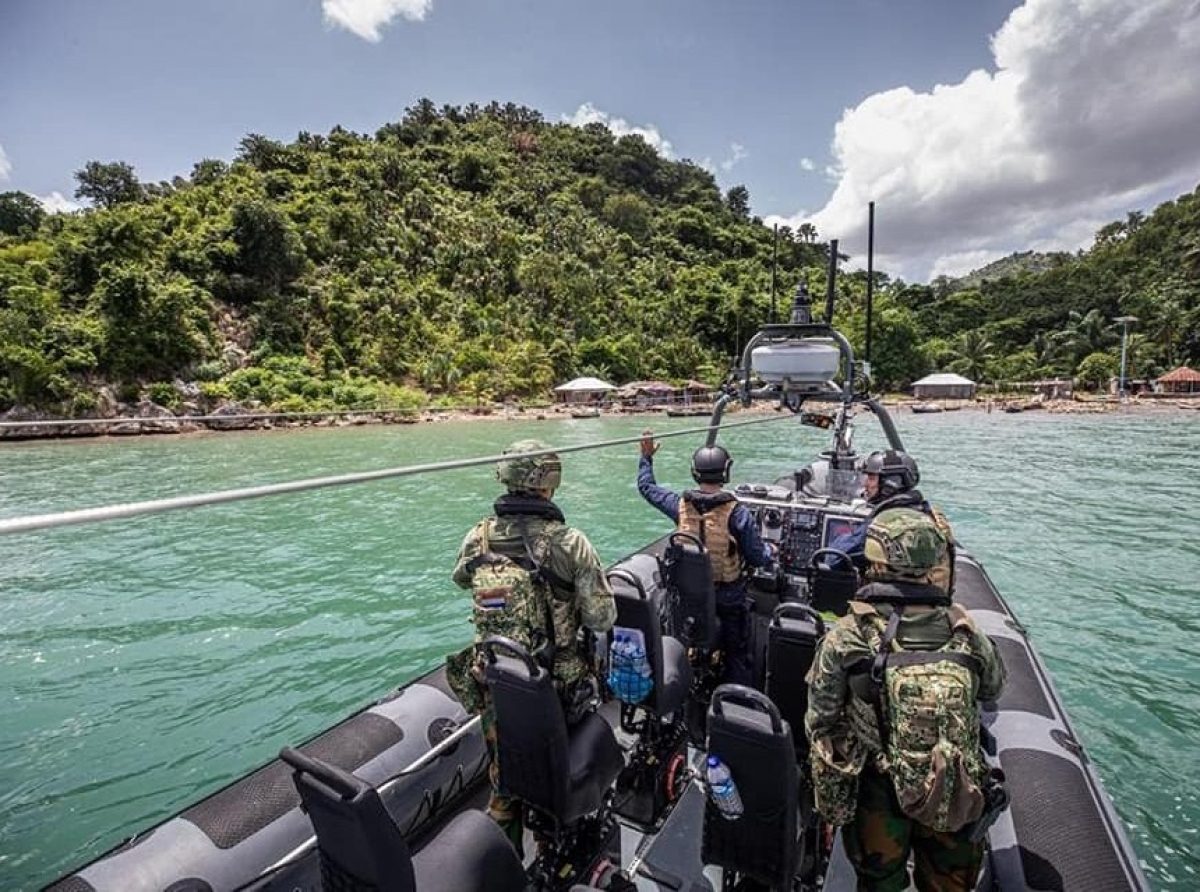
(711, 464)
(897, 471)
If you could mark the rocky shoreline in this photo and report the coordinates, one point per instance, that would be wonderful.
(148, 418)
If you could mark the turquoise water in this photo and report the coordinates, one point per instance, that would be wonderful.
(146, 662)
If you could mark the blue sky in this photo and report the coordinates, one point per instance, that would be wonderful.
(979, 127)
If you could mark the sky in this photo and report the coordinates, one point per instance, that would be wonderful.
(978, 127)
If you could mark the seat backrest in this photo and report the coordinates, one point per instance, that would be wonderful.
(361, 848)
(746, 731)
(640, 610)
(690, 576)
(531, 731)
(563, 773)
(831, 588)
(793, 634)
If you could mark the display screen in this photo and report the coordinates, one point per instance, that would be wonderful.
(839, 526)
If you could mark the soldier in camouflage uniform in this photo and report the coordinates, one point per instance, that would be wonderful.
(853, 771)
(571, 587)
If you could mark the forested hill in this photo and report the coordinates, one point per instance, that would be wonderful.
(481, 253)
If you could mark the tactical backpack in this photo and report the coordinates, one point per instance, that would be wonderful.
(510, 597)
(929, 721)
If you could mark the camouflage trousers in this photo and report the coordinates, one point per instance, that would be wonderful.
(504, 810)
(880, 838)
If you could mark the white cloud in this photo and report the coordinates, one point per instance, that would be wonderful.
(5, 165)
(57, 203)
(1089, 113)
(808, 164)
(589, 114)
(366, 17)
(737, 153)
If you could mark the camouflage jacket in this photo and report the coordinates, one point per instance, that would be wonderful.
(836, 712)
(571, 559)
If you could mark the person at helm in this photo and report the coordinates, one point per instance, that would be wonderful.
(565, 589)
(895, 684)
(890, 479)
(730, 535)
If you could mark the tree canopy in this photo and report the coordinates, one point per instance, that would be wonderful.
(482, 253)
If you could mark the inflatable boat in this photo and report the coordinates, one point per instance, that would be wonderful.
(392, 798)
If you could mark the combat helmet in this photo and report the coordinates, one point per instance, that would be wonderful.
(711, 464)
(904, 543)
(525, 472)
(897, 471)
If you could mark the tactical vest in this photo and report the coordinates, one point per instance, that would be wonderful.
(927, 717)
(707, 517)
(943, 574)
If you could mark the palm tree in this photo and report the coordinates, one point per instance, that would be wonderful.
(807, 233)
(972, 352)
(1089, 332)
(1047, 349)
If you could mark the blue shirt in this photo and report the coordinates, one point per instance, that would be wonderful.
(742, 525)
(854, 542)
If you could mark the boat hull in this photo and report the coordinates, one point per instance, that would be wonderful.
(1060, 831)
(236, 836)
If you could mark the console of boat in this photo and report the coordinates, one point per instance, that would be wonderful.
(392, 798)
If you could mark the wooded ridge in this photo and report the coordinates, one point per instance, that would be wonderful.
(480, 253)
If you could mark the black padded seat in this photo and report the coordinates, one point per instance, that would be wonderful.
(563, 773)
(793, 634)
(689, 571)
(746, 731)
(362, 850)
(672, 674)
(831, 589)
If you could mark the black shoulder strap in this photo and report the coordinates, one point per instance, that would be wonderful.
(879, 668)
(539, 574)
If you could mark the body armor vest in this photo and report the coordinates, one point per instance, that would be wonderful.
(706, 517)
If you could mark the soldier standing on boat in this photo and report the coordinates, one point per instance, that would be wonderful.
(537, 581)
(729, 533)
(890, 479)
(893, 719)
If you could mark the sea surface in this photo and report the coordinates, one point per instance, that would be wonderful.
(146, 662)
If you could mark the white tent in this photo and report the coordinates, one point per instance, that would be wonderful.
(582, 389)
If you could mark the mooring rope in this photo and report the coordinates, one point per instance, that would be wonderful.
(134, 509)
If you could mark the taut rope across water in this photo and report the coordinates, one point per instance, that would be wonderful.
(135, 509)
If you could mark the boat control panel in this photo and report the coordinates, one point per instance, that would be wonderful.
(797, 524)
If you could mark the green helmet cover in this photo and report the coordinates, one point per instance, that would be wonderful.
(529, 472)
(906, 541)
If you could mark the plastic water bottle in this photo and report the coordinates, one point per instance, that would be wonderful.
(639, 665)
(629, 670)
(722, 790)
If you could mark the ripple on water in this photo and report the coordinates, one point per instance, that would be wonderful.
(153, 660)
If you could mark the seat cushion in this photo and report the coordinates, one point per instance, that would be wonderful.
(676, 677)
(470, 854)
(595, 759)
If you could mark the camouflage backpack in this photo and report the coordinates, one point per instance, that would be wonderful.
(929, 723)
(509, 598)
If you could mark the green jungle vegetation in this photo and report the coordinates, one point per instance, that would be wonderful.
(465, 255)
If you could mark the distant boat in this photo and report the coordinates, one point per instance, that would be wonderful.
(687, 411)
(1025, 406)
(924, 408)
(585, 413)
